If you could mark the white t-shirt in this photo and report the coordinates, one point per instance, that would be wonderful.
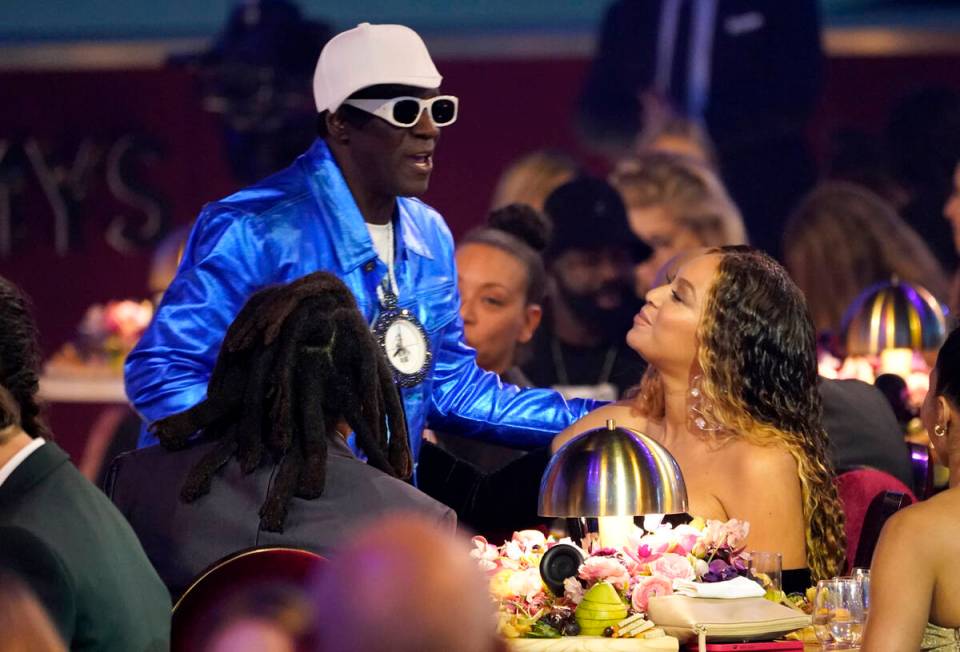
(7, 470)
(382, 236)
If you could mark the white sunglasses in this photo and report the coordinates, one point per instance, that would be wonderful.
(406, 111)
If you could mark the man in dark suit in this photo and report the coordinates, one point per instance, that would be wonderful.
(749, 70)
(298, 370)
(863, 429)
(58, 532)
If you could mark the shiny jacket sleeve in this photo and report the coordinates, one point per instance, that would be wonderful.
(223, 263)
(469, 401)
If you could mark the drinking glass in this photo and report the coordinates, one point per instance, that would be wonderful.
(768, 568)
(862, 575)
(844, 600)
(823, 600)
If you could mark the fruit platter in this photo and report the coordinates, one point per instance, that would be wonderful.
(555, 595)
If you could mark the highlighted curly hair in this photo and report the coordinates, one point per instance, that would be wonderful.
(757, 354)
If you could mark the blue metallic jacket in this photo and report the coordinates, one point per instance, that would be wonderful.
(301, 220)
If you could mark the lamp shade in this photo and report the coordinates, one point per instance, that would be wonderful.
(894, 315)
(612, 471)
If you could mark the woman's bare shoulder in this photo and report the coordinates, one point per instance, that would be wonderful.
(623, 413)
(934, 520)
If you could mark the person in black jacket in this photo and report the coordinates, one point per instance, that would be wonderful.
(297, 372)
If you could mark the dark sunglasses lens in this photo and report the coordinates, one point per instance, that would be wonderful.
(443, 112)
(406, 112)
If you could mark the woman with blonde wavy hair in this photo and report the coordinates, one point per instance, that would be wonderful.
(731, 391)
(675, 204)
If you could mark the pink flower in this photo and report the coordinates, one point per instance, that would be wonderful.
(486, 554)
(732, 533)
(610, 569)
(647, 588)
(672, 567)
(736, 533)
(512, 550)
(526, 583)
(686, 538)
(528, 539)
(573, 590)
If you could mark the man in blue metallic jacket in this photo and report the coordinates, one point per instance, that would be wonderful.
(345, 206)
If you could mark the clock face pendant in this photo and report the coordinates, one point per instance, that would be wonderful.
(404, 342)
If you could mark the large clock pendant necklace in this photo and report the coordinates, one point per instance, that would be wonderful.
(402, 337)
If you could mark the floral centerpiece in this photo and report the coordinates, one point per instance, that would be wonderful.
(104, 338)
(648, 565)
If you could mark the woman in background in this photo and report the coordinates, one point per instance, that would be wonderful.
(842, 239)
(731, 392)
(915, 589)
(675, 204)
(502, 282)
(531, 178)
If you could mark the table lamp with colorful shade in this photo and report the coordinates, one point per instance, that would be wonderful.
(612, 474)
(893, 320)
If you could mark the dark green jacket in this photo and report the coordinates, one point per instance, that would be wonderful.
(68, 541)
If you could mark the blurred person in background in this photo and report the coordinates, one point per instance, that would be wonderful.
(579, 350)
(298, 371)
(923, 140)
(674, 204)
(256, 76)
(24, 623)
(669, 132)
(951, 211)
(58, 532)
(842, 239)
(266, 618)
(402, 585)
(750, 71)
(502, 283)
(915, 589)
(531, 178)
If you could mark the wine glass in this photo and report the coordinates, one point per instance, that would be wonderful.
(862, 575)
(847, 615)
(823, 601)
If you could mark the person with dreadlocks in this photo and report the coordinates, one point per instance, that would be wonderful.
(347, 206)
(731, 391)
(297, 371)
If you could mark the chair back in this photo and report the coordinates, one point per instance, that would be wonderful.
(883, 506)
(859, 490)
(196, 610)
(922, 467)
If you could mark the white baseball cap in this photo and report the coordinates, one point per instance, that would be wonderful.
(368, 55)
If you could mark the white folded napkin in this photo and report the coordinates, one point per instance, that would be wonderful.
(738, 587)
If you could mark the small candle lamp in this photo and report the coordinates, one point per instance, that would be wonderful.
(893, 320)
(610, 475)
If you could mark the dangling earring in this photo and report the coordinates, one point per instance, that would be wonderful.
(939, 430)
(700, 410)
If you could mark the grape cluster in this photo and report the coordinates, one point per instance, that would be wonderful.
(563, 622)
